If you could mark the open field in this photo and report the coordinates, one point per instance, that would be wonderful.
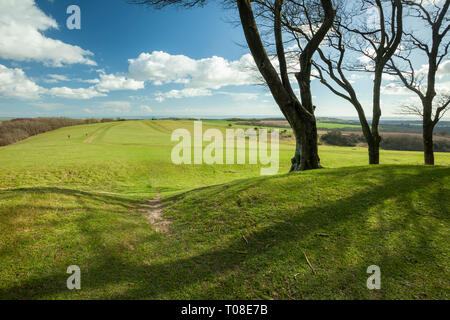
(225, 232)
(320, 124)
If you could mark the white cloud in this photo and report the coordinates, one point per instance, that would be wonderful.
(54, 78)
(443, 88)
(15, 84)
(22, 25)
(110, 82)
(91, 81)
(210, 73)
(444, 69)
(184, 93)
(79, 93)
(116, 106)
(48, 105)
(146, 108)
(241, 96)
(395, 89)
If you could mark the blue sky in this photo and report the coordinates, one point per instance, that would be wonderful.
(128, 60)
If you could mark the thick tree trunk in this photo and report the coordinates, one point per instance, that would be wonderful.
(428, 127)
(306, 155)
(374, 150)
(310, 151)
(428, 144)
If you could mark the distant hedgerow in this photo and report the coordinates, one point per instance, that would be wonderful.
(336, 138)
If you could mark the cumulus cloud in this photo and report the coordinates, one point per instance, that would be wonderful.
(22, 25)
(210, 73)
(444, 69)
(15, 84)
(54, 78)
(111, 82)
(442, 88)
(145, 109)
(116, 106)
(241, 96)
(395, 89)
(79, 93)
(184, 93)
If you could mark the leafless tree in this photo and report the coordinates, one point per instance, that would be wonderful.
(441, 105)
(299, 112)
(376, 41)
(433, 15)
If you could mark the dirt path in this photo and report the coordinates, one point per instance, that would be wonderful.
(96, 133)
(153, 212)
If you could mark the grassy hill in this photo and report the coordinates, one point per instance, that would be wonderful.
(231, 233)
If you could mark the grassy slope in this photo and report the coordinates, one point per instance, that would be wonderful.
(81, 202)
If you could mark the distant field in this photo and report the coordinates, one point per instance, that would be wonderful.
(84, 201)
(320, 125)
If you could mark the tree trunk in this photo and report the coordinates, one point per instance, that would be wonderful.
(301, 118)
(428, 144)
(310, 151)
(374, 150)
(306, 155)
(428, 127)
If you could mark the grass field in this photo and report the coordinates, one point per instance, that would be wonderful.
(231, 234)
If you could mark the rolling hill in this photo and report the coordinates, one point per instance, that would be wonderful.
(223, 231)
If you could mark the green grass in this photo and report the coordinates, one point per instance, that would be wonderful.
(326, 125)
(82, 201)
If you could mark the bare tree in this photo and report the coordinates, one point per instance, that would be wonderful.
(298, 112)
(377, 42)
(441, 105)
(435, 17)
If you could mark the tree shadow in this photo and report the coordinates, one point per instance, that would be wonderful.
(172, 277)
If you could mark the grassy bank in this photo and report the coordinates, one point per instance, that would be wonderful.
(232, 233)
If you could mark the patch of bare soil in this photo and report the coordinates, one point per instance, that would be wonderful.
(153, 212)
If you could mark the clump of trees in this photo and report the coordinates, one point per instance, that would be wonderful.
(336, 138)
(412, 143)
(21, 128)
(403, 142)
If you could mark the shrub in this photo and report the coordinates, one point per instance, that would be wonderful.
(402, 142)
(412, 143)
(336, 138)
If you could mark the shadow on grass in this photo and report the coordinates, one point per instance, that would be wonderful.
(223, 272)
(96, 196)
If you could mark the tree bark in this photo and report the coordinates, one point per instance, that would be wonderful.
(427, 132)
(374, 150)
(428, 146)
